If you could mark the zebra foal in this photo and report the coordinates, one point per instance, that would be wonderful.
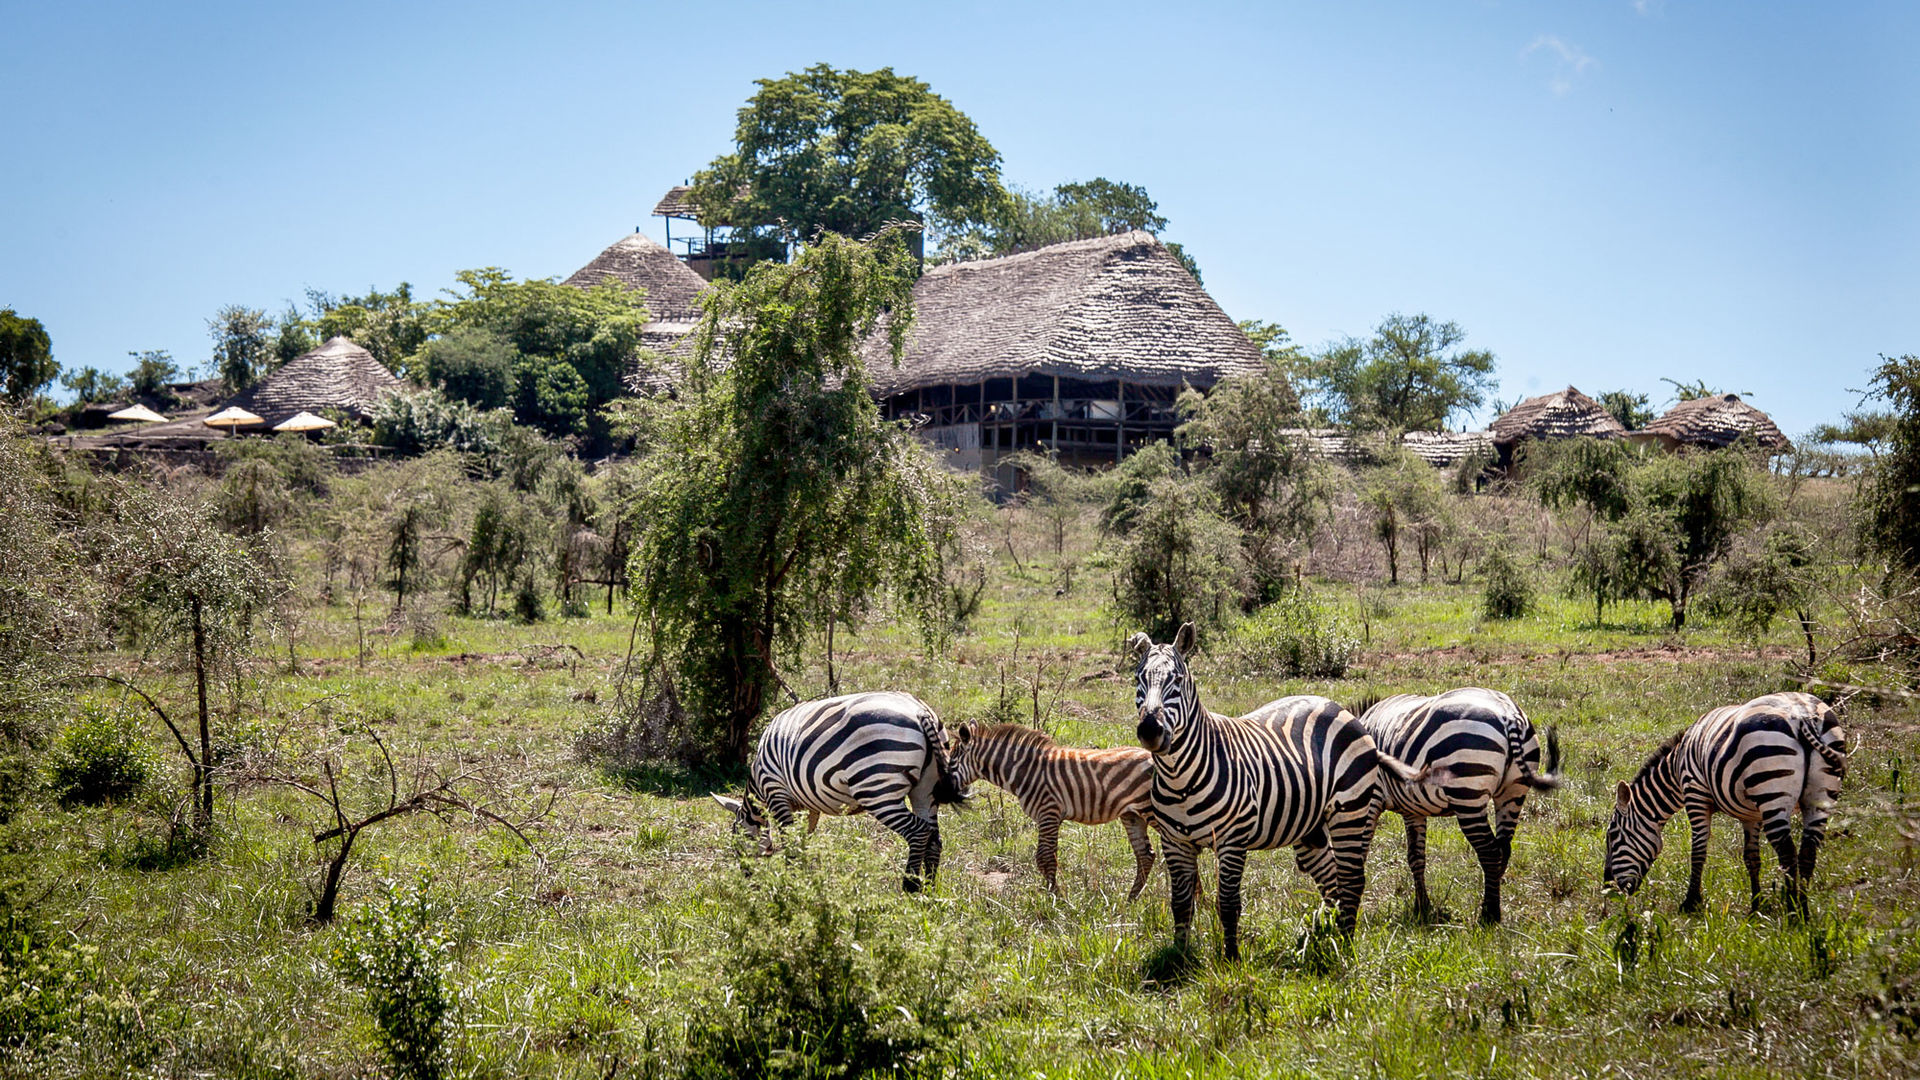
(1057, 783)
(1755, 763)
(877, 752)
(1299, 772)
(1482, 757)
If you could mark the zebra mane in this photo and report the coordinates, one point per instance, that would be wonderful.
(1365, 702)
(1660, 753)
(1016, 734)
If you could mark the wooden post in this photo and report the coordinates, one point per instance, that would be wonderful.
(1120, 432)
(1054, 438)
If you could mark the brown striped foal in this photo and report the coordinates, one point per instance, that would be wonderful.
(1057, 783)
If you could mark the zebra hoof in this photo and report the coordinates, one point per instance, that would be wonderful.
(910, 884)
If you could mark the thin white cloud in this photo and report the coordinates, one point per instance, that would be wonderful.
(1569, 61)
(1649, 7)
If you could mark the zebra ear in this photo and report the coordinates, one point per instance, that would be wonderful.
(731, 805)
(1183, 641)
(1138, 643)
(1623, 793)
(964, 733)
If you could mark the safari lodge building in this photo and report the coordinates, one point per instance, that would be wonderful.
(1079, 349)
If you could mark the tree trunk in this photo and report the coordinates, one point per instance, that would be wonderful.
(202, 775)
(330, 892)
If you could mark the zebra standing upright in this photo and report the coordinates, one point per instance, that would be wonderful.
(1755, 762)
(1299, 771)
(875, 752)
(1481, 755)
(1057, 783)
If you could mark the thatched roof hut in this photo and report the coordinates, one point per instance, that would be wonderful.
(1079, 347)
(1565, 414)
(1714, 421)
(677, 203)
(1116, 307)
(337, 375)
(1445, 449)
(637, 262)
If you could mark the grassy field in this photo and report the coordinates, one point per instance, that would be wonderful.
(587, 955)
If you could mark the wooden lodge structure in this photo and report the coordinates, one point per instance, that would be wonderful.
(1079, 349)
(673, 290)
(339, 376)
(1712, 422)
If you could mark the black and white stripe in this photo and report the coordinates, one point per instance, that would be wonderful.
(878, 752)
(1296, 772)
(1755, 762)
(1482, 757)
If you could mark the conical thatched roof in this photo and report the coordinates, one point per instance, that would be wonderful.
(337, 375)
(638, 262)
(1715, 421)
(1114, 307)
(1563, 415)
(677, 203)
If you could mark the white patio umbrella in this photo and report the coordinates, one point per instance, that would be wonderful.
(304, 421)
(138, 412)
(232, 417)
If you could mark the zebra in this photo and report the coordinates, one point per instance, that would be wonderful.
(1057, 783)
(1298, 771)
(875, 752)
(1482, 756)
(1753, 762)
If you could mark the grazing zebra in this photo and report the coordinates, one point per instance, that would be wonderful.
(1057, 783)
(1482, 756)
(1754, 762)
(874, 752)
(1299, 771)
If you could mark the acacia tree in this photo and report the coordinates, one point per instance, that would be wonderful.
(1893, 510)
(199, 589)
(1409, 376)
(779, 499)
(1267, 483)
(848, 152)
(1663, 521)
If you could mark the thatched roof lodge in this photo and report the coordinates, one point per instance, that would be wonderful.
(673, 291)
(338, 375)
(1080, 347)
(1564, 414)
(1712, 422)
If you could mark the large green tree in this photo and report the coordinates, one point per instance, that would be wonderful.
(26, 357)
(390, 325)
(242, 345)
(564, 350)
(1411, 375)
(1079, 210)
(779, 500)
(848, 152)
(1892, 493)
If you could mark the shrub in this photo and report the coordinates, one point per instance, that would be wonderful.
(394, 950)
(820, 985)
(1509, 592)
(98, 758)
(1293, 637)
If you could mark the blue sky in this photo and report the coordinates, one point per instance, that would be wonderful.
(1603, 193)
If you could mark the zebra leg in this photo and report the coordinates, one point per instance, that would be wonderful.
(813, 821)
(1046, 855)
(1142, 841)
(1314, 856)
(1233, 861)
(1750, 854)
(1473, 823)
(1813, 831)
(922, 837)
(1349, 835)
(925, 810)
(1417, 863)
(1700, 820)
(1183, 873)
(1777, 823)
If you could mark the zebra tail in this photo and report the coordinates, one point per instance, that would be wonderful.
(1836, 757)
(1548, 779)
(1406, 773)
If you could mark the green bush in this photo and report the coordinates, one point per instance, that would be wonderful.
(98, 758)
(1293, 637)
(394, 950)
(1509, 592)
(819, 985)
